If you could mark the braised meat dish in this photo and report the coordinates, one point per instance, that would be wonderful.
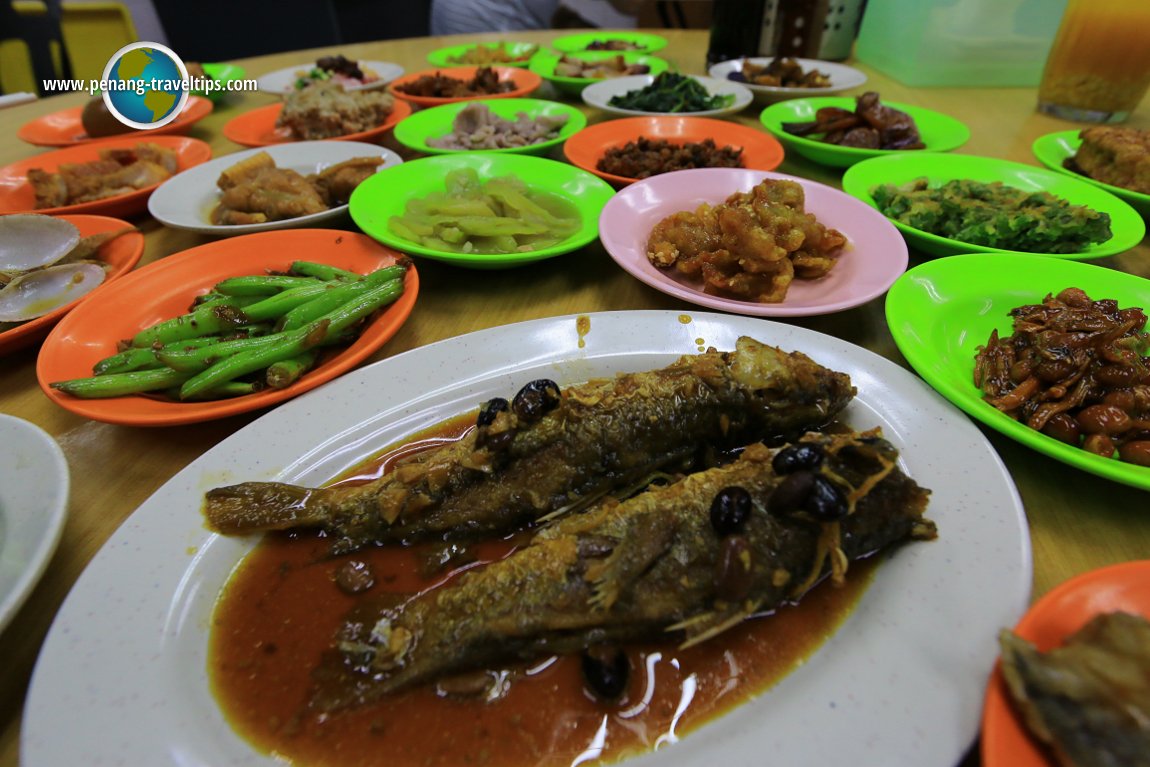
(649, 157)
(872, 125)
(486, 82)
(780, 73)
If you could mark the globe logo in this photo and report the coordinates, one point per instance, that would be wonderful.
(145, 85)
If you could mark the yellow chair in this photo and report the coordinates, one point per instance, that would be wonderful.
(92, 33)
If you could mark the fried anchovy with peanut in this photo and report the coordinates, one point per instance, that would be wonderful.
(549, 451)
(689, 560)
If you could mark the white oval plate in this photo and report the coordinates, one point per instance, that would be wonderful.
(282, 81)
(842, 77)
(34, 485)
(186, 200)
(123, 670)
(599, 94)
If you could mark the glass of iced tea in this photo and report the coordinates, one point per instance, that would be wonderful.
(1098, 69)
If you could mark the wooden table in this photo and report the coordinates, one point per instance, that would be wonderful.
(1078, 521)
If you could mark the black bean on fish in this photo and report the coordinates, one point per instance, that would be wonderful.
(689, 560)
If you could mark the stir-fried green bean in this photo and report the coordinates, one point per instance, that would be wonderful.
(284, 373)
(121, 384)
(213, 350)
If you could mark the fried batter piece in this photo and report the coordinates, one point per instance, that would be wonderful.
(324, 110)
(118, 171)
(1113, 155)
(751, 247)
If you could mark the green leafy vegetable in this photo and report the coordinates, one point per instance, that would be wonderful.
(672, 92)
(994, 215)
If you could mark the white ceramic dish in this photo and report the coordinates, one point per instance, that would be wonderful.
(874, 257)
(600, 94)
(122, 670)
(33, 505)
(186, 200)
(842, 78)
(282, 81)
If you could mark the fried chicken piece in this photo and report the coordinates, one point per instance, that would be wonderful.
(324, 110)
(336, 183)
(268, 194)
(751, 246)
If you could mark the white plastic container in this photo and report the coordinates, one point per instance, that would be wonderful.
(959, 43)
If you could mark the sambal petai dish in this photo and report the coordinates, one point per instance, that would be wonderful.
(485, 82)
(593, 563)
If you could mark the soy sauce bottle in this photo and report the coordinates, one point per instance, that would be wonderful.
(735, 29)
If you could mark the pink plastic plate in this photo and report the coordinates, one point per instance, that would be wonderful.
(874, 257)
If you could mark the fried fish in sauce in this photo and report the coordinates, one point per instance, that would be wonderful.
(549, 451)
(117, 171)
(1088, 700)
(688, 560)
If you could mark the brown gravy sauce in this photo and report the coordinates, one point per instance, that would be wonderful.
(279, 611)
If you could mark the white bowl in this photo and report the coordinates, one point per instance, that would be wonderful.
(33, 505)
(599, 94)
(842, 78)
(186, 200)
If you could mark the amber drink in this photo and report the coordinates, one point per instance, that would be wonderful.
(1099, 66)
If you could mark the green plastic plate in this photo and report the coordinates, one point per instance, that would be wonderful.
(223, 73)
(1053, 149)
(647, 42)
(414, 131)
(940, 313)
(940, 133)
(1126, 225)
(385, 194)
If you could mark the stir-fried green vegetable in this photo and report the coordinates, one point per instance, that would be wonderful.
(498, 216)
(995, 215)
(252, 332)
(672, 92)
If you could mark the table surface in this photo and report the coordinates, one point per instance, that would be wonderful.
(1078, 521)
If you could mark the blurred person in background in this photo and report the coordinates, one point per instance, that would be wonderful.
(451, 17)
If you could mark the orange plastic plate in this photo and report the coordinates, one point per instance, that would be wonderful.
(258, 127)
(165, 289)
(64, 128)
(16, 195)
(1125, 587)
